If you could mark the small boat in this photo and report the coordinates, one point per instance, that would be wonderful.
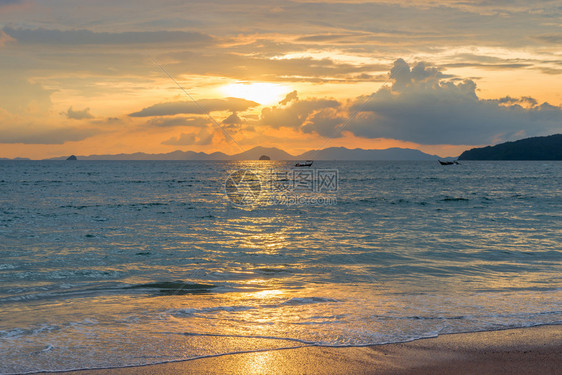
(448, 162)
(307, 163)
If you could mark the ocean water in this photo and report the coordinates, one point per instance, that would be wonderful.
(114, 263)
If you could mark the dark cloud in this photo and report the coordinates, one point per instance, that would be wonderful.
(368, 77)
(78, 115)
(489, 62)
(326, 122)
(165, 122)
(106, 123)
(550, 38)
(552, 71)
(489, 66)
(233, 119)
(424, 108)
(82, 37)
(201, 107)
(337, 38)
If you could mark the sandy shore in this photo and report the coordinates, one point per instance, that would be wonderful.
(517, 351)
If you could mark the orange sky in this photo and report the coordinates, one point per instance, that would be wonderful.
(436, 76)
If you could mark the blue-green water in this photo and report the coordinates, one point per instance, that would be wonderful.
(107, 264)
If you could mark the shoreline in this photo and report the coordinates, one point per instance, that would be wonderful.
(509, 351)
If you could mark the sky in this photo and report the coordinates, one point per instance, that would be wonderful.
(107, 77)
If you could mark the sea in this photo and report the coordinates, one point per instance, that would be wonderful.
(108, 264)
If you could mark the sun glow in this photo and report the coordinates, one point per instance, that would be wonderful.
(260, 92)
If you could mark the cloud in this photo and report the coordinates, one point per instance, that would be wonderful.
(78, 115)
(247, 65)
(106, 123)
(326, 123)
(490, 66)
(333, 38)
(552, 71)
(165, 122)
(550, 38)
(523, 100)
(201, 107)
(292, 96)
(494, 61)
(423, 106)
(420, 75)
(86, 37)
(50, 136)
(203, 137)
(233, 119)
(293, 112)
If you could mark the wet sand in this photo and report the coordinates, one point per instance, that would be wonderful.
(535, 350)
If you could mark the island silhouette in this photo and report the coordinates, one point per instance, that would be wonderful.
(273, 153)
(534, 148)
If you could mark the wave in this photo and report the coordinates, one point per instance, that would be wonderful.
(217, 309)
(117, 205)
(193, 312)
(298, 344)
(248, 337)
(308, 301)
(170, 288)
(64, 291)
(42, 329)
(455, 199)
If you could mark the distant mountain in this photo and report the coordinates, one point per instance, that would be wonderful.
(256, 152)
(14, 159)
(332, 153)
(175, 155)
(342, 153)
(536, 148)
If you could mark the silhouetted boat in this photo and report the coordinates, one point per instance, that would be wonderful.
(307, 163)
(448, 162)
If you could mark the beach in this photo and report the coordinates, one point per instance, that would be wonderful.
(515, 351)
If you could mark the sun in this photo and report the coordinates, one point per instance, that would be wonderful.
(259, 92)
